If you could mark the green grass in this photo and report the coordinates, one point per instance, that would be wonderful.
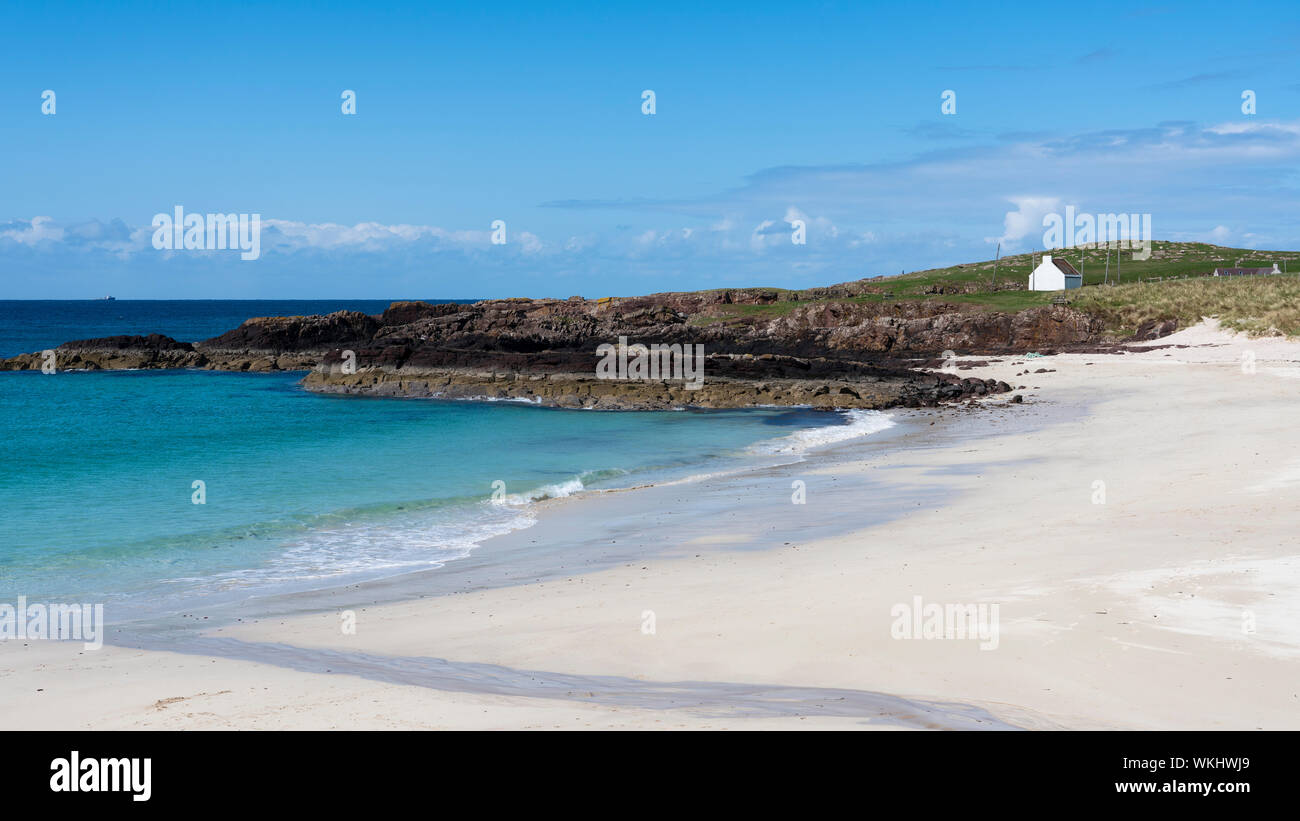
(1257, 305)
(1168, 259)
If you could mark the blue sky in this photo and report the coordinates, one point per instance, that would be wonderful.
(765, 113)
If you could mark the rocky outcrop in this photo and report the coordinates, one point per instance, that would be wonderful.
(730, 381)
(760, 348)
(280, 334)
(113, 353)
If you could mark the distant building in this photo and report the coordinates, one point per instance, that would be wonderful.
(1055, 275)
(1247, 272)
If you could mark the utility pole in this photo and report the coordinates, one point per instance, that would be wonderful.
(995, 266)
(1107, 282)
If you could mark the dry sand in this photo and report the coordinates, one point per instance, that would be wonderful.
(1173, 603)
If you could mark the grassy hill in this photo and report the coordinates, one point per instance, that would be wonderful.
(1170, 285)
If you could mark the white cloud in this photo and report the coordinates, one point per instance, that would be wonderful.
(366, 235)
(38, 229)
(530, 242)
(1026, 220)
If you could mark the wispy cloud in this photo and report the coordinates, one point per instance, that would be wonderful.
(1234, 180)
(941, 130)
(1200, 79)
(985, 67)
(1180, 171)
(1097, 56)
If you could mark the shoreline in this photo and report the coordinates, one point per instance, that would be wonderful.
(1122, 614)
(202, 635)
(206, 637)
(509, 558)
(762, 457)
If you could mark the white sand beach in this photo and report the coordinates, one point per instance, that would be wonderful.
(1172, 603)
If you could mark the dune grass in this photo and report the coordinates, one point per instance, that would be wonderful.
(1259, 306)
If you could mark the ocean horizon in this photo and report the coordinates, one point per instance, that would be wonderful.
(28, 325)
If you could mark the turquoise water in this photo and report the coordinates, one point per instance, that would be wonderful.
(301, 490)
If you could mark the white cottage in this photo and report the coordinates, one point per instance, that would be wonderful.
(1055, 275)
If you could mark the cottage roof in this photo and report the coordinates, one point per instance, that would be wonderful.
(1065, 267)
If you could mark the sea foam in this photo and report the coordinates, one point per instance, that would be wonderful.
(858, 423)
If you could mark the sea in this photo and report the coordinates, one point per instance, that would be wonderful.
(157, 491)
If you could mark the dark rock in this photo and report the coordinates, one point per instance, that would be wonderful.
(296, 333)
(152, 342)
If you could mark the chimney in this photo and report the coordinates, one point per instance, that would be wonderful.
(1047, 258)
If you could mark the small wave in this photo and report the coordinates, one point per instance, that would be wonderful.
(370, 543)
(384, 540)
(857, 423)
(423, 540)
(511, 400)
(560, 490)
